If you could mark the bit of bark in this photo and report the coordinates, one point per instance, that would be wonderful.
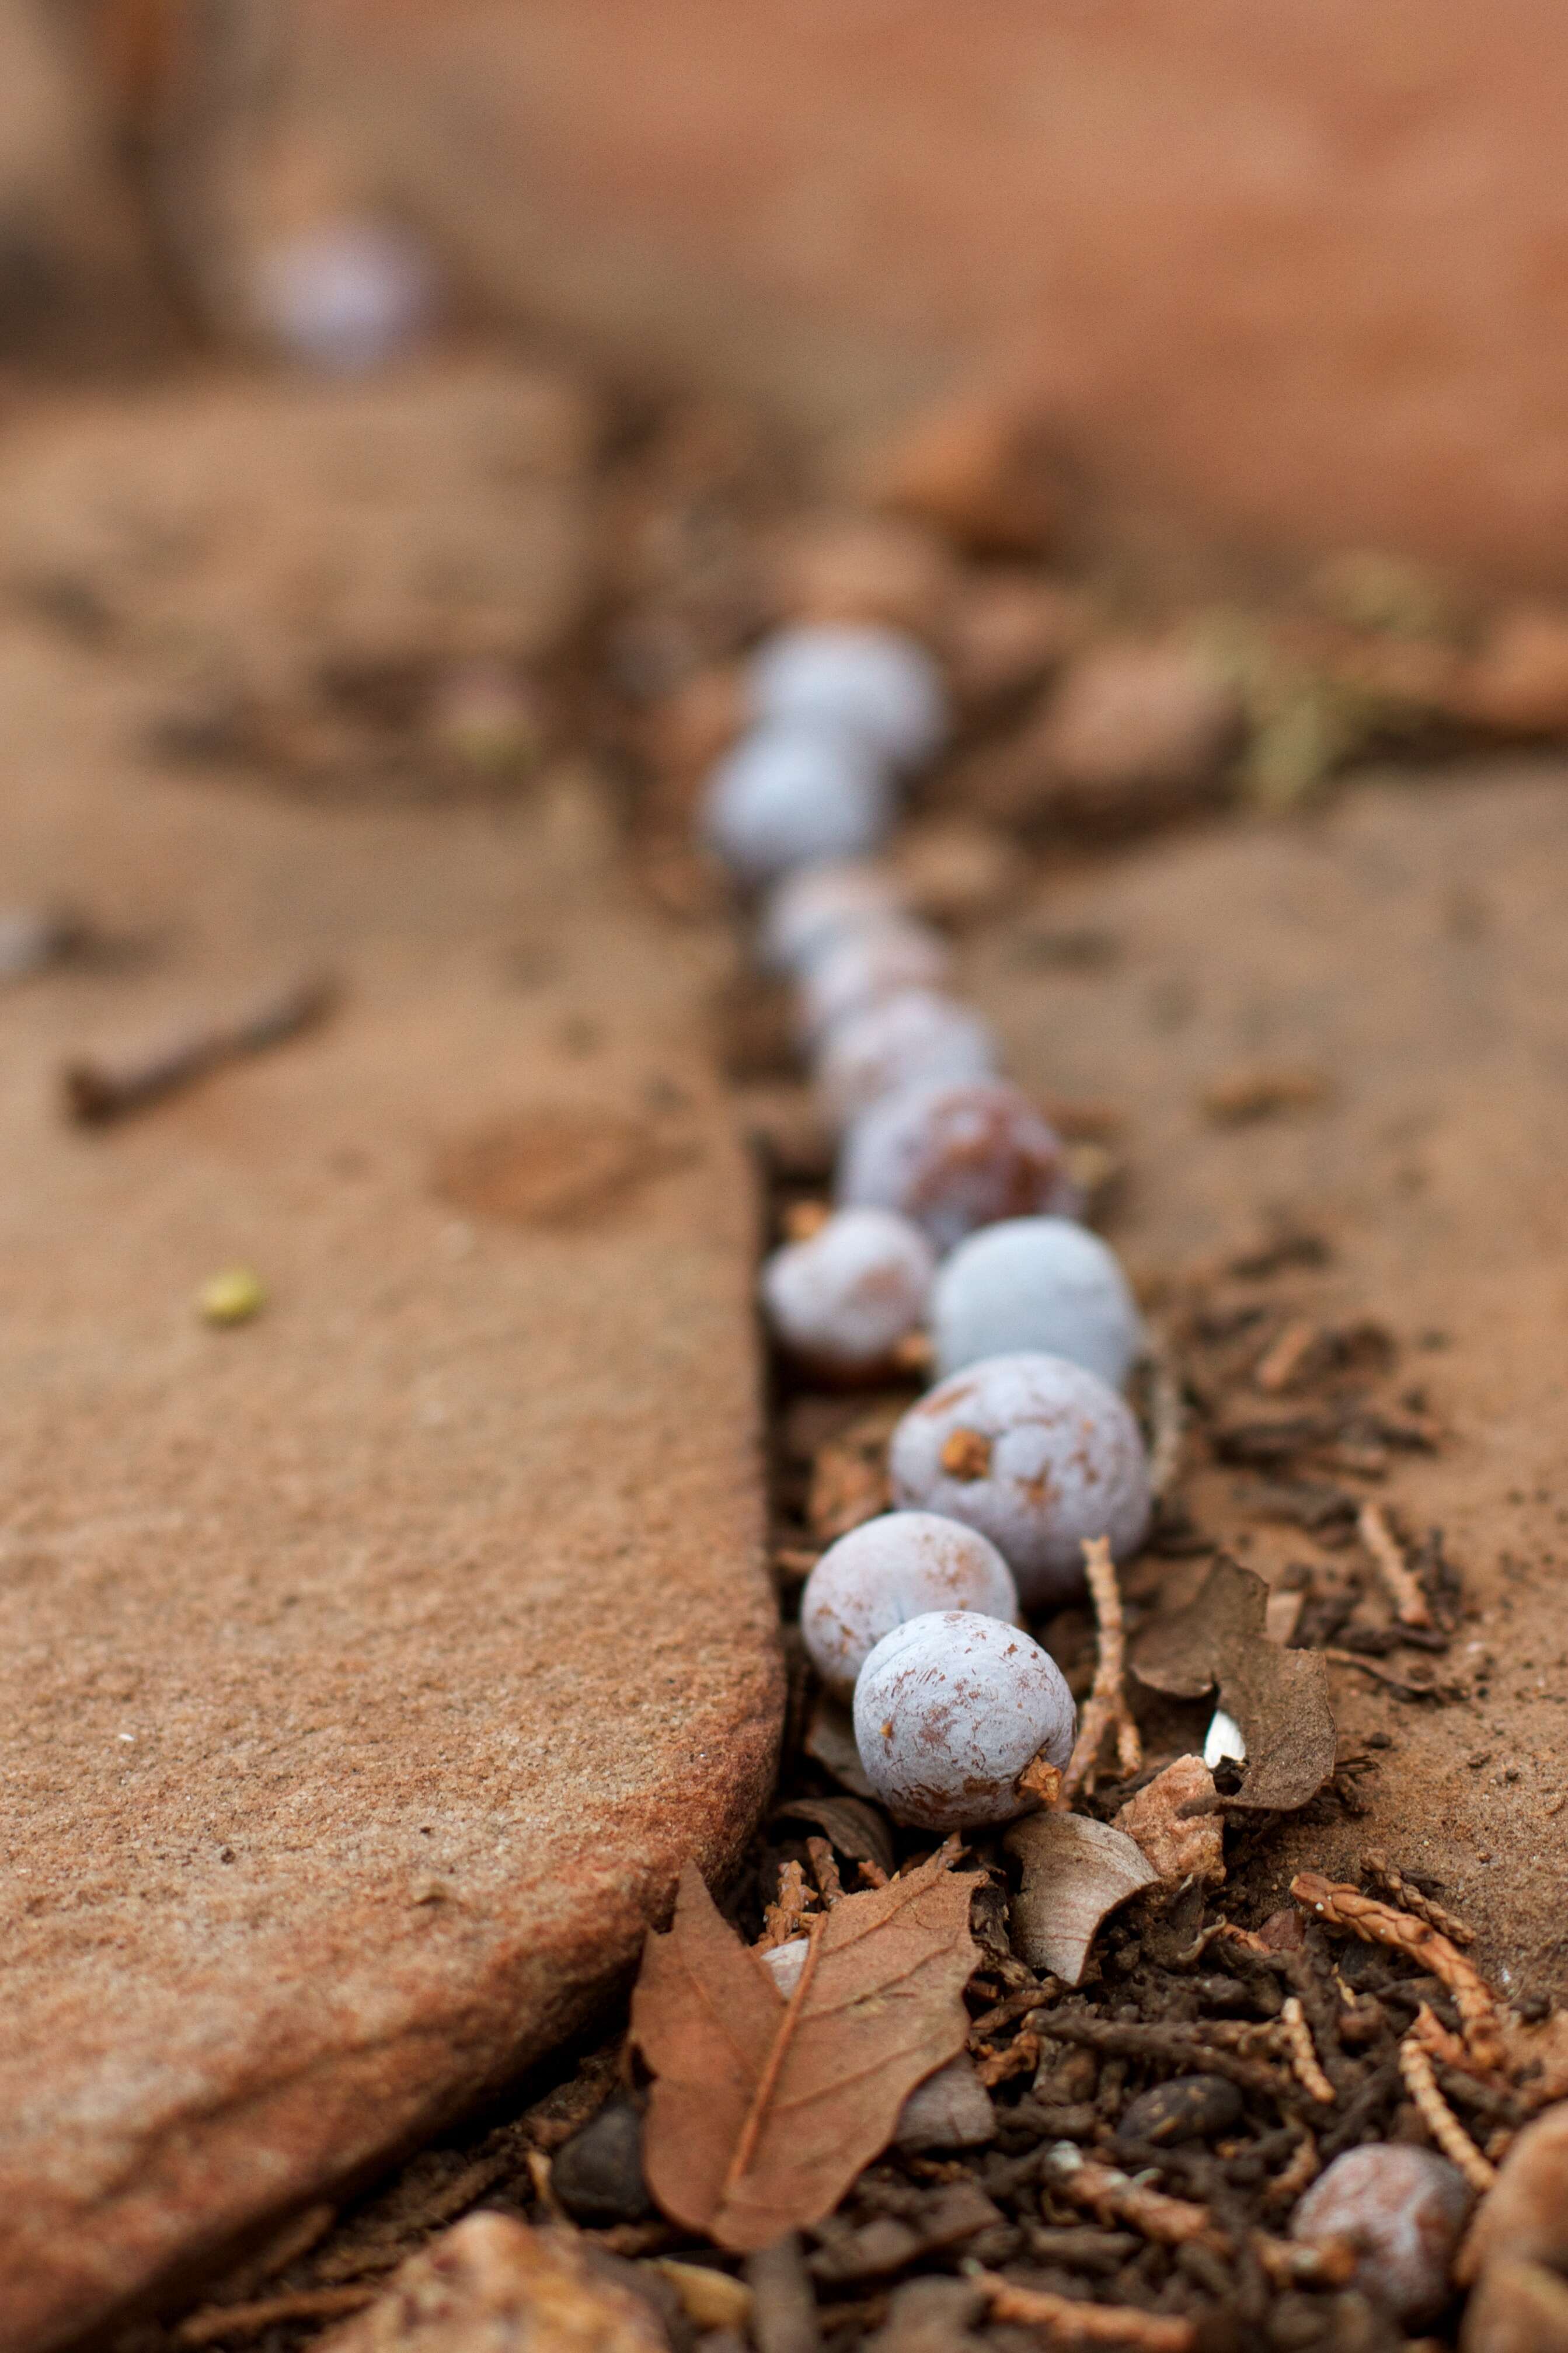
(1106, 1708)
(1421, 2083)
(1407, 1897)
(804, 1219)
(1074, 2322)
(1378, 1924)
(1297, 2036)
(790, 1912)
(98, 1092)
(1410, 1606)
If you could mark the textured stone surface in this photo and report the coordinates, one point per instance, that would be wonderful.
(1409, 944)
(366, 1673)
(1305, 219)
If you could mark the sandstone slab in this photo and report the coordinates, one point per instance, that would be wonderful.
(1408, 948)
(370, 1670)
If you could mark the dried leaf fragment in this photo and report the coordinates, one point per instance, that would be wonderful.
(495, 2282)
(763, 2110)
(1178, 1844)
(1075, 1872)
(1279, 1698)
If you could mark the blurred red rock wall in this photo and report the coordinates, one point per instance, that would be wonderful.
(1294, 271)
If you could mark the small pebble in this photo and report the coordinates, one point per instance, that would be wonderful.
(1188, 2108)
(843, 1299)
(900, 1566)
(914, 1037)
(1403, 2209)
(790, 796)
(598, 2174)
(875, 962)
(1036, 1453)
(232, 1297)
(949, 1709)
(1042, 1284)
(953, 1157)
(816, 906)
(878, 685)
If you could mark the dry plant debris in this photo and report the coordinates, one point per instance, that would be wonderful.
(763, 2110)
(1075, 1870)
(1279, 1697)
(494, 2281)
(1379, 1923)
(1107, 1709)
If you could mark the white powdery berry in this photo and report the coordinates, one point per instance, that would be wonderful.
(955, 1157)
(346, 296)
(914, 1037)
(1042, 1284)
(816, 906)
(789, 796)
(843, 1299)
(903, 1565)
(876, 683)
(948, 1711)
(1036, 1453)
(1402, 2209)
(873, 963)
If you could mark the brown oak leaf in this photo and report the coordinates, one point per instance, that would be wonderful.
(763, 2110)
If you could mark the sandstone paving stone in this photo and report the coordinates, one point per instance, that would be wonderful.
(367, 1670)
(1409, 944)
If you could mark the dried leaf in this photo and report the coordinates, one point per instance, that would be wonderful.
(830, 1742)
(763, 2110)
(1075, 1872)
(1178, 1844)
(856, 1829)
(1279, 1698)
(495, 2282)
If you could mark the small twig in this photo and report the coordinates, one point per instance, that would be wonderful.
(99, 1091)
(1302, 2051)
(219, 2321)
(824, 1870)
(1077, 2323)
(1167, 1417)
(1296, 2176)
(1106, 1708)
(1407, 1685)
(1409, 1898)
(1115, 2197)
(1410, 1606)
(1421, 2083)
(1379, 1923)
(1283, 1359)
